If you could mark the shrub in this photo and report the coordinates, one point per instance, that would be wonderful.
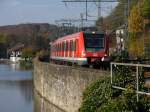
(95, 95)
(100, 97)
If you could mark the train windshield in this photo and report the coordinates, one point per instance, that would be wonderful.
(94, 42)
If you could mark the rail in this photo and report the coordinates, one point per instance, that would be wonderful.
(135, 71)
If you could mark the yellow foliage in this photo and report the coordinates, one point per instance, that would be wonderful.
(135, 20)
(3, 38)
(136, 47)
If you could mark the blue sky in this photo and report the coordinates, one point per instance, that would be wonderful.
(44, 11)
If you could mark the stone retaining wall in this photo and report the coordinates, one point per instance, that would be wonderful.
(63, 86)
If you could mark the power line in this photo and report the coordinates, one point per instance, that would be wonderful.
(89, 1)
(92, 1)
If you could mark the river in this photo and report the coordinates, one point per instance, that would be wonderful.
(16, 89)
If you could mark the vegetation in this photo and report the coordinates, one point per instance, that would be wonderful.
(146, 8)
(136, 46)
(3, 38)
(138, 29)
(27, 54)
(95, 95)
(43, 55)
(135, 20)
(26, 65)
(101, 97)
(36, 36)
(117, 17)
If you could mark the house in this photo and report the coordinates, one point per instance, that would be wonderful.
(15, 52)
(120, 38)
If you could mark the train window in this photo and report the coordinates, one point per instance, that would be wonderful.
(56, 47)
(63, 46)
(59, 47)
(94, 42)
(67, 46)
(71, 45)
(74, 45)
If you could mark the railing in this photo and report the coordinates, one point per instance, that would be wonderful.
(125, 73)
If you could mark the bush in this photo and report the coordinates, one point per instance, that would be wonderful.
(126, 103)
(43, 55)
(100, 97)
(95, 95)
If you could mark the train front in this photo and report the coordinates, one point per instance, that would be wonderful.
(96, 48)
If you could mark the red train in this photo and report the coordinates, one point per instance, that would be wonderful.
(82, 48)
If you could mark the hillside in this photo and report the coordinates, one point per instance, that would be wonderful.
(35, 35)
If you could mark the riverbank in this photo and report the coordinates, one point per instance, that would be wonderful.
(4, 61)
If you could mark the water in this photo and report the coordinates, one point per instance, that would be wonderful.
(16, 89)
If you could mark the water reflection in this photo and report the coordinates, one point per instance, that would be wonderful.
(42, 105)
(16, 89)
(12, 72)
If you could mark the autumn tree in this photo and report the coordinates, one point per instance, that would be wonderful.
(146, 8)
(118, 15)
(27, 53)
(3, 38)
(135, 28)
(135, 20)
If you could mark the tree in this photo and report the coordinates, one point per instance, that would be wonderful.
(136, 46)
(135, 20)
(27, 53)
(146, 8)
(135, 28)
(117, 17)
(3, 38)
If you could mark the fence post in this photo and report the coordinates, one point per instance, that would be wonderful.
(111, 73)
(137, 82)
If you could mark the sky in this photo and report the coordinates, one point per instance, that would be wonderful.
(46, 11)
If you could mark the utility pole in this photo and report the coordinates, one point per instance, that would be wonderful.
(90, 1)
(99, 9)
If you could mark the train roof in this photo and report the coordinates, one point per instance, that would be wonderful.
(74, 35)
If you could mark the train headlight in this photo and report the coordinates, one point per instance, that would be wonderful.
(83, 53)
(105, 55)
(102, 59)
